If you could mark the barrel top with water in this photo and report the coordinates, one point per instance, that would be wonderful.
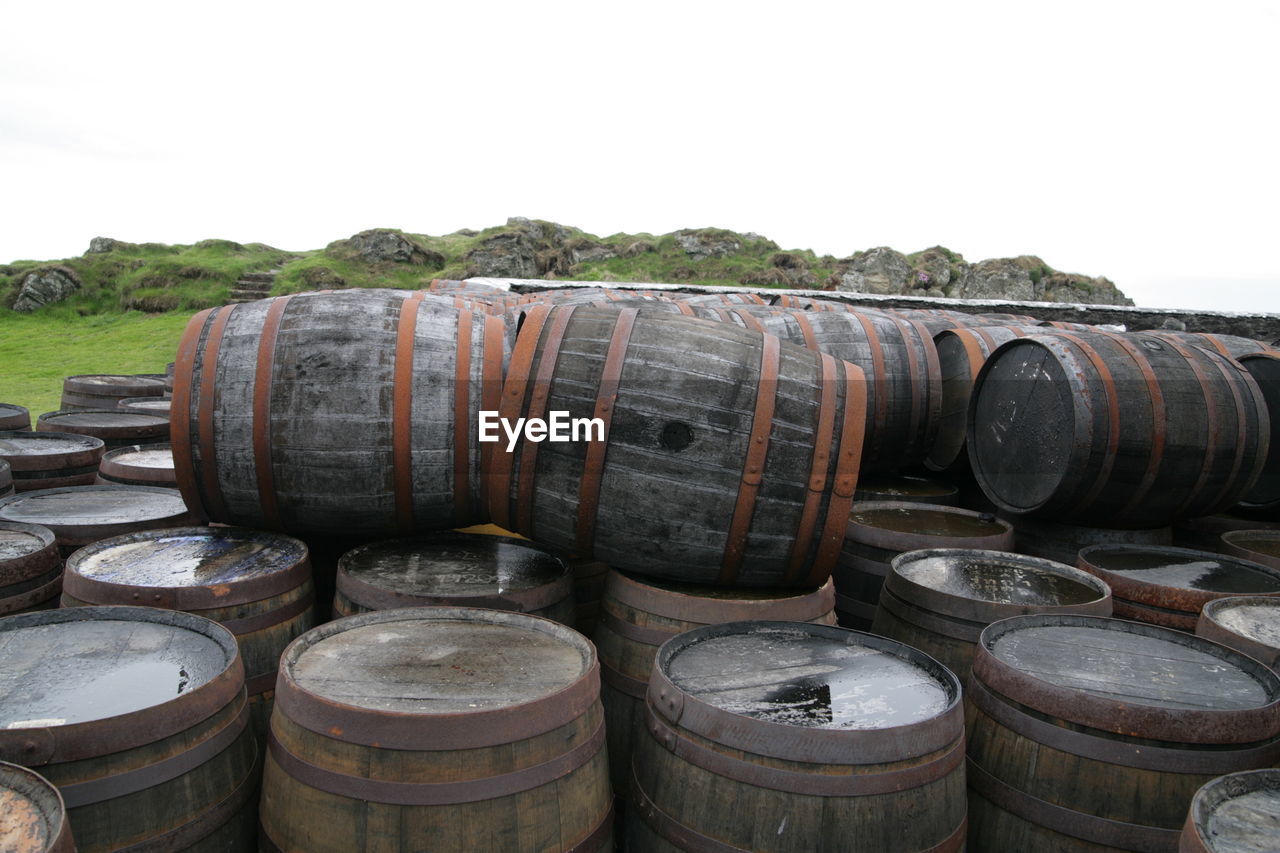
(144, 384)
(93, 505)
(20, 443)
(1247, 623)
(1177, 578)
(20, 543)
(453, 564)
(109, 421)
(1128, 677)
(998, 578)
(151, 456)
(885, 523)
(146, 404)
(1260, 545)
(32, 814)
(1236, 813)
(905, 487)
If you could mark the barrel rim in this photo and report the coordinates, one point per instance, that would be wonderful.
(98, 591)
(421, 731)
(118, 431)
(65, 530)
(1209, 627)
(1196, 726)
(36, 746)
(83, 383)
(688, 607)
(975, 609)
(1213, 794)
(796, 743)
(90, 451)
(1165, 596)
(48, 801)
(890, 540)
(1236, 549)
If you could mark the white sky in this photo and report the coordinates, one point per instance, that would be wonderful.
(1134, 140)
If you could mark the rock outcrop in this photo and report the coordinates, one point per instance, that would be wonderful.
(380, 245)
(45, 287)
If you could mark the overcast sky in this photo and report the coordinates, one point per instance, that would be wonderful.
(1132, 140)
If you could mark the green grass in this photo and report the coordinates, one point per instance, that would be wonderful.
(37, 351)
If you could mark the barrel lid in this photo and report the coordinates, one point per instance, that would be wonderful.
(906, 526)
(1254, 617)
(156, 456)
(140, 386)
(1237, 813)
(904, 487)
(453, 565)
(990, 585)
(27, 443)
(18, 540)
(1176, 578)
(1260, 545)
(1129, 678)
(437, 677)
(32, 814)
(194, 568)
(101, 419)
(159, 404)
(80, 506)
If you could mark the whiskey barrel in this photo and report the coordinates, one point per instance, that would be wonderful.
(1246, 623)
(138, 465)
(727, 457)
(6, 479)
(588, 591)
(85, 514)
(454, 570)
(1093, 734)
(640, 615)
(786, 736)
(14, 417)
(116, 427)
(1205, 533)
(909, 488)
(1260, 546)
(255, 584)
(495, 743)
(153, 405)
(939, 600)
(729, 299)
(1118, 430)
(50, 460)
(878, 531)
(30, 568)
(1264, 497)
(269, 394)
(1169, 586)
(1230, 346)
(105, 390)
(1062, 543)
(139, 717)
(33, 818)
(1236, 813)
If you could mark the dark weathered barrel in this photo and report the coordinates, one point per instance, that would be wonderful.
(116, 427)
(1205, 533)
(455, 570)
(1230, 346)
(938, 319)
(1236, 813)
(1068, 326)
(255, 584)
(138, 465)
(139, 717)
(85, 514)
(153, 405)
(1246, 623)
(1040, 537)
(1264, 497)
(720, 455)
(105, 390)
(878, 531)
(352, 411)
(939, 600)
(30, 568)
(14, 417)
(48, 460)
(910, 488)
(640, 615)
(496, 742)
(588, 592)
(1090, 734)
(1169, 586)
(785, 736)
(1116, 430)
(1260, 546)
(33, 818)
(724, 298)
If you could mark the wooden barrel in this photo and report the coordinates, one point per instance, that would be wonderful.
(1236, 813)
(116, 427)
(6, 479)
(1117, 430)
(33, 818)
(938, 319)
(138, 465)
(588, 592)
(1246, 623)
(1230, 346)
(85, 514)
(1062, 543)
(1068, 326)
(30, 568)
(1264, 497)
(455, 570)
(153, 405)
(168, 380)
(1003, 318)
(640, 615)
(255, 584)
(50, 460)
(730, 299)
(878, 531)
(939, 600)
(1169, 586)
(139, 717)
(727, 457)
(496, 743)
(1094, 734)
(1260, 546)
(786, 736)
(14, 417)
(909, 488)
(269, 394)
(1205, 533)
(105, 390)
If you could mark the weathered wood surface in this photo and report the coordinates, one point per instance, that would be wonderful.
(32, 816)
(138, 465)
(84, 514)
(116, 427)
(14, 417)
(795, 757)
(104, 391)
(45, 460)
(30, 567)
(1118, 430)
(1238, 813)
